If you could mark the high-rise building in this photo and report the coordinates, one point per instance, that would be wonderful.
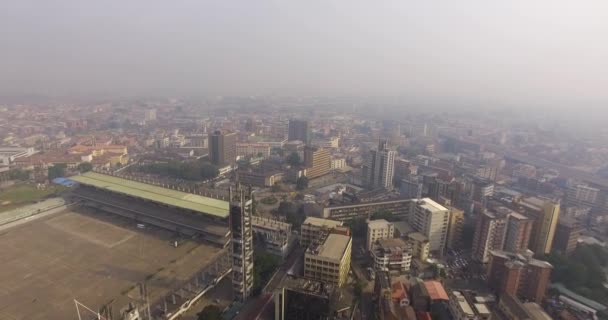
(489, 235)
(222, 148)
(566, 235)
(328, 259)
(317, 162)
(519, 275)
(299, 130)
(379, 167)
(241, 207)
(583, 195)
(431, 219)
(545, 213)
(378, 229)
(455, 228)
(150, 115)
(519, 228)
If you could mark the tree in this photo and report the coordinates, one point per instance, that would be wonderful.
(382, 214)
(85, 167)
(302, 183)
(358, 290)
(358, 227)
(210, 312)
(57, 171)
(294, 159)
(19, 174)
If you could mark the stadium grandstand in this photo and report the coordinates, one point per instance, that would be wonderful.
(185, 213)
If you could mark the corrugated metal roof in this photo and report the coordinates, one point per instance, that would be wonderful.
(154, 193)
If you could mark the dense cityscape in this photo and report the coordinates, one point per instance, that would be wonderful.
(268, 208)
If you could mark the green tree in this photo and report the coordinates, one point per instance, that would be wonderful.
(19, 174)
(57, 171)
(85, 167)
(210, 312)
(302, 183)
(382, 214)
(358, 227)
(294, 159)
(358, 290)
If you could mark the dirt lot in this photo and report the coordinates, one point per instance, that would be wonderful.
(49, 262)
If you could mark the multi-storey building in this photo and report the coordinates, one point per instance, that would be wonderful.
(519, 275)
(298, 130)
(222, 148)
(328, 259)
(253, 149)
(393, 255)
(519, 228)
(378, 229)
(420, 245)
(545, 213)
(583, 195)
(379, 167)
(511, 308)
(313, 229)
(455, 228)
(431, 219)
(276, 234)
(317, 162)
(302, 298)
(566, 236)
(241, 207)
(399, 208)
(489, 235)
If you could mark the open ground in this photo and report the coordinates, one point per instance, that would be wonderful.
(93, 257)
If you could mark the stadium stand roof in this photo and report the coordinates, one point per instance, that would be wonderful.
(154, 193)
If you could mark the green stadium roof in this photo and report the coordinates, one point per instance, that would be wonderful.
(154, 193)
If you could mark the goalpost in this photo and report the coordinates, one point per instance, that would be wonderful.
(88, 310)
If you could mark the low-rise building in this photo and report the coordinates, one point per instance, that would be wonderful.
(314, 228)
(378, 229)
(328, 259)
(399, 208)
(394, 255)
(421, 247)
(276, 234)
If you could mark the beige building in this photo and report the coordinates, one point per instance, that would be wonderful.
(328, 259)
(545, 212)
(378, 229)
(431, 219)
(420, 245)
(317, 162)
(455, 226)
(313, 228)
(394, 255)
(253, 149)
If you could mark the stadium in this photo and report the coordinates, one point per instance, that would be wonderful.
(112, 235)
(184, 213)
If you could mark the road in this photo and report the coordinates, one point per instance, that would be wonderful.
(256, 306)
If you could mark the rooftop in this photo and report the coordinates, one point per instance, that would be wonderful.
(154, 193)
(436, 290)
(464, 305)
(379, 223)
(418, 237)
(308, 286)
(431, 205)
(333, 247)
(322, 222)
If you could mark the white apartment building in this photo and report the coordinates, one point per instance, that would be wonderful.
(378, 229)
(432, 220)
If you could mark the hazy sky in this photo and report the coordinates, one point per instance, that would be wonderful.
(483, 51)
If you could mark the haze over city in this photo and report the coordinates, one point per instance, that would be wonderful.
(513, 54)
(303, 160)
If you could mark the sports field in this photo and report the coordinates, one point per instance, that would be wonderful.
(24, 193)
(48, 262)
